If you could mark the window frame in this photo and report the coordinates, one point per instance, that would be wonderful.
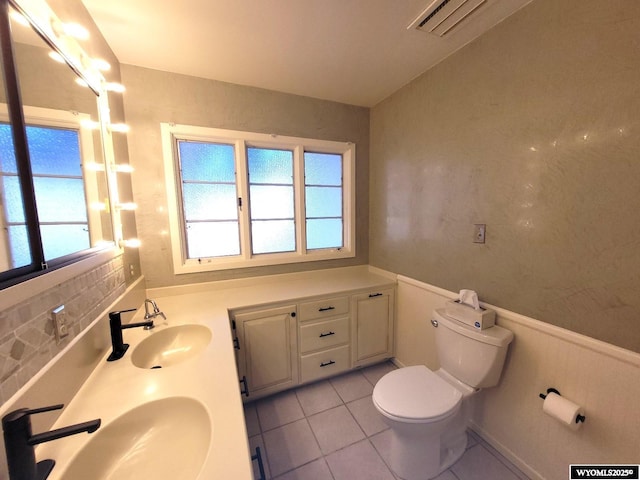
(171, 133)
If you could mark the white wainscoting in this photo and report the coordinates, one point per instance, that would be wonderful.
(603, 378)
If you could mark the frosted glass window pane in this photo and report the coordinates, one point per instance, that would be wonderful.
(214, 239)
(270, 166)
(271, 202)
(60, 199)
(19, 246)
(273, 236)
(208, 162)
(54, 151)
(14, 208)
(60, 240)
(210, 201)
(322, 169)
(324, 233)
(323, 201)
(7, 152)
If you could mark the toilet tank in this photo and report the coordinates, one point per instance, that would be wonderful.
(475, 357)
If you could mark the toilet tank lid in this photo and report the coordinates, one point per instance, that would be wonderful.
(416, 393)
(498, 336)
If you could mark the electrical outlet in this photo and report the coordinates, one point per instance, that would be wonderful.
(59, 318)
(479, 230)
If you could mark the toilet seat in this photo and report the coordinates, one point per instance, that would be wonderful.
(416, 395)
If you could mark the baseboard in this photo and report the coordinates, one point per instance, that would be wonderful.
(506, 453)
(397, 363)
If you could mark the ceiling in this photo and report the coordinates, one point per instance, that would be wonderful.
(351, 51)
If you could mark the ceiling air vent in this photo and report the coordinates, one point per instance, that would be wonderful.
(442, 15)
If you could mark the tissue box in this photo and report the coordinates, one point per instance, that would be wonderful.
(480, 319)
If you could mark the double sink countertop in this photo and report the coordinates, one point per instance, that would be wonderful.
(208, 378)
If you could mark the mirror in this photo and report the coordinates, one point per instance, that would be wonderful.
(66, 155)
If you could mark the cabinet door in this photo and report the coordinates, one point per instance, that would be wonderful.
(268, 351)
(373, 327)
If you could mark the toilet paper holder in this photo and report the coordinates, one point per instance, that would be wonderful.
(579, 418)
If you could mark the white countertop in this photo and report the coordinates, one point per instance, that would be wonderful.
(211, 377)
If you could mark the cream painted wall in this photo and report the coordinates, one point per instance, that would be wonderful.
(604, 379)
(153, 97)
(534, 130)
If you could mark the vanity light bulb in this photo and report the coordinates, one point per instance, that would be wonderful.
(19, 18)
(122, 168)
(101, 64)
(114, 87)
(127, 206)
(119, 127)
(99, 206)
(57, 57)
(76, 30)
(95, 167)
(89, 124)
(130, 243)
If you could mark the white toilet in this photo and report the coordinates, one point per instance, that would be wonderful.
(428, 411)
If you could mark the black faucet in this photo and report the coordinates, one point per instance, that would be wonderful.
(19, 442)
(117, 343)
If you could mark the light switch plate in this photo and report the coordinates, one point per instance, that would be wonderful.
(479, 230)
(59, 318)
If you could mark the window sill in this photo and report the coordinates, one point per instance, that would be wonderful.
(208, 265)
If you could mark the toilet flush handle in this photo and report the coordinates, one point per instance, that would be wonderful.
(434, 323)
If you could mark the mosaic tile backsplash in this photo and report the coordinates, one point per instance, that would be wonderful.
(27, 339)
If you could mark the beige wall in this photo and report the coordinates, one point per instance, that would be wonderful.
(153, 97)
(532, 129)
(603, 379)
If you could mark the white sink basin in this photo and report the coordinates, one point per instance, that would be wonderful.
(166, 439)
(173, 345)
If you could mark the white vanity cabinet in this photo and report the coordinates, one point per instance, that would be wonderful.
(266, 350)
(324, 337)
(307, 339)
(372, 326)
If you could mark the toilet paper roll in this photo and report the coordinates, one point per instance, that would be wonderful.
(563, 410)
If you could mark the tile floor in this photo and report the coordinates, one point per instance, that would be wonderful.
(330, 430)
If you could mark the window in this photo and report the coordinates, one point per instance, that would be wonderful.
(59, 191)
(240, 199)
(63, 190)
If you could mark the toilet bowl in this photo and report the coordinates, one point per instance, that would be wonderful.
(439, 423)
(428, 411)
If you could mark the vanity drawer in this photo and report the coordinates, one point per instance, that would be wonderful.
(324, 364)
(325, 334)
(327, 307)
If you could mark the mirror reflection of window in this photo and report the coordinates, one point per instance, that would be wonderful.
(14, 245)
(59, 189)
(65, 158)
